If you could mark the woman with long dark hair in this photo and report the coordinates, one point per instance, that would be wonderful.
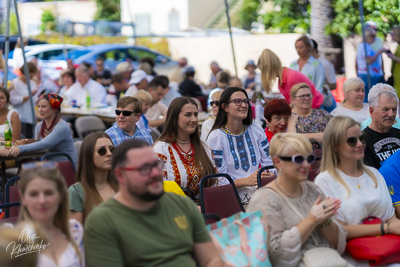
(239, 147)
(95, 182)
(187, 158)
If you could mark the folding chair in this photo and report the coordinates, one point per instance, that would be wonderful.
(67, 168)
(264, 181)
(220, 201)
(11, 200)
(317, 150)
(88, 124)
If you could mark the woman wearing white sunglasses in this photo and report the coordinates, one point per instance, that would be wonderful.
(299, 216)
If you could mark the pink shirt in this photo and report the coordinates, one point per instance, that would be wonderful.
(291, 77)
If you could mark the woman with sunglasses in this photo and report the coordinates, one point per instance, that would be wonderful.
(187, 159)
(95, 182)
(207, 125)
(239, 147)
(44, 206)
(52, 133)
(362, 189)
(306, 120)
(299, 216)
(276, 113)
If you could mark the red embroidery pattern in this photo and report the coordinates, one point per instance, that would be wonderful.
(175, 168)
(164, 158)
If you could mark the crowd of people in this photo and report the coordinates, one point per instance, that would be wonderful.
(118, 213)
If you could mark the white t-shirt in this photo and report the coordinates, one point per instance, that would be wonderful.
(362, 202)
(16, 99)
(357, 115)
(78, 92)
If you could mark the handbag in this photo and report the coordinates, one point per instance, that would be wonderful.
(241, 239)
(378, 250)
(319, 256)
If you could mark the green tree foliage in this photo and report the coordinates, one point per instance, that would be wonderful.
(385, 13)
(249, 13)
(13, 25)
(288, 16)
(48, 21)
(108, 10)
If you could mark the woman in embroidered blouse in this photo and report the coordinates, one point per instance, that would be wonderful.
(304, 119)
(362, 189)
(52, 132)
(179, 142)
(276, 113)
(95, 183)
(44, 203)
(313, 224)
(353, 104)
(239, 147)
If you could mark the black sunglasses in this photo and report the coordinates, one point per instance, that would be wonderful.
(125, 113)
(103, 150)
(352, 141)
(299, 159)
(214, 102)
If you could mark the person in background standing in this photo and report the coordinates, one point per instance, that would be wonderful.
(252, 78)
(102, 74)
(395, 33)
(214, 70)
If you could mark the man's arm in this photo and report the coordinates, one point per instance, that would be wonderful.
(206, 254)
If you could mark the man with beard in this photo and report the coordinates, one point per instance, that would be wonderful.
(382, 139)
(143, 226)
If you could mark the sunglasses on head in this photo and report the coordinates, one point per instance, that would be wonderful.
(45, 165)
(299, 159)
(125, 113)
(352, 141)
(103, 150)
(214, 102)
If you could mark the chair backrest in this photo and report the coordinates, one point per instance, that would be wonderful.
(264, 181)
(12, 196)
(221, 200)
(67, 168)
(77, 146)
(88, 124)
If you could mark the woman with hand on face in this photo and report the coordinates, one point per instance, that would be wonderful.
(304, 119)
(208, 124)
(361, 189)
(276, 113)
(44, 202)
(239, 147)
(353, 104)
(95, 182)
(299, 215)
(52, 132)
(187, 159)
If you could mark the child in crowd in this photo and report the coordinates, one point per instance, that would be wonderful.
(145, 98)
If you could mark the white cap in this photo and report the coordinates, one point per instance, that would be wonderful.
(138, 76)
(371, 23)
(124, 66)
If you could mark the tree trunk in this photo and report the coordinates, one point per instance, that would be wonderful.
(321, 12)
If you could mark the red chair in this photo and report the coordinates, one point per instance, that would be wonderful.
(12, 200)
(67, 168)
(264, 181)
(219, 201)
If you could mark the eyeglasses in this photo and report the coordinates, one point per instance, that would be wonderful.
(299, 159)
(302, 97)
(146, 169)
(279, 118)
(352, 141)
(125, 113)
(103, 150)
(41, 164)
(238, 102)
(214, 102)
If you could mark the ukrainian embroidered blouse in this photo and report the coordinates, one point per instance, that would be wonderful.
(240, 155)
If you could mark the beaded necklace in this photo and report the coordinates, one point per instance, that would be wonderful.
(226, 130)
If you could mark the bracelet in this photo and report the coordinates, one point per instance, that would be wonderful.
(325, 224)
(388, 231)
(382, 229)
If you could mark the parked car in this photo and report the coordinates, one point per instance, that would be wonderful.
(13, 41)
(115, 54)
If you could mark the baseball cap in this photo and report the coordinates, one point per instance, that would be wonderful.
(371, 24)
(124, 66)
(138, 76)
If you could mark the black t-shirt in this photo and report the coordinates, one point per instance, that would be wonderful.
(380, 146)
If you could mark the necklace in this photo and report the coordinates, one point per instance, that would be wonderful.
(101, 188)
(357, 183)
(183, 142)
(226, 130)
(301, 189)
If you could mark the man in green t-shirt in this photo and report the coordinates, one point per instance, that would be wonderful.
(142, 225)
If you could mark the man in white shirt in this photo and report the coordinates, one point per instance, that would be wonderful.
(84, 86)
(157, 89)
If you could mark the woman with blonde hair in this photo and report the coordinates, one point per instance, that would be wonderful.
(306, 120)
(361, 189)
(44, 201)
(208, 124)
(353, 104)
(299, 215)
(271, 69)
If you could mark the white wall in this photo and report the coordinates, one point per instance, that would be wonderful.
(200, 51)
(159, 12)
